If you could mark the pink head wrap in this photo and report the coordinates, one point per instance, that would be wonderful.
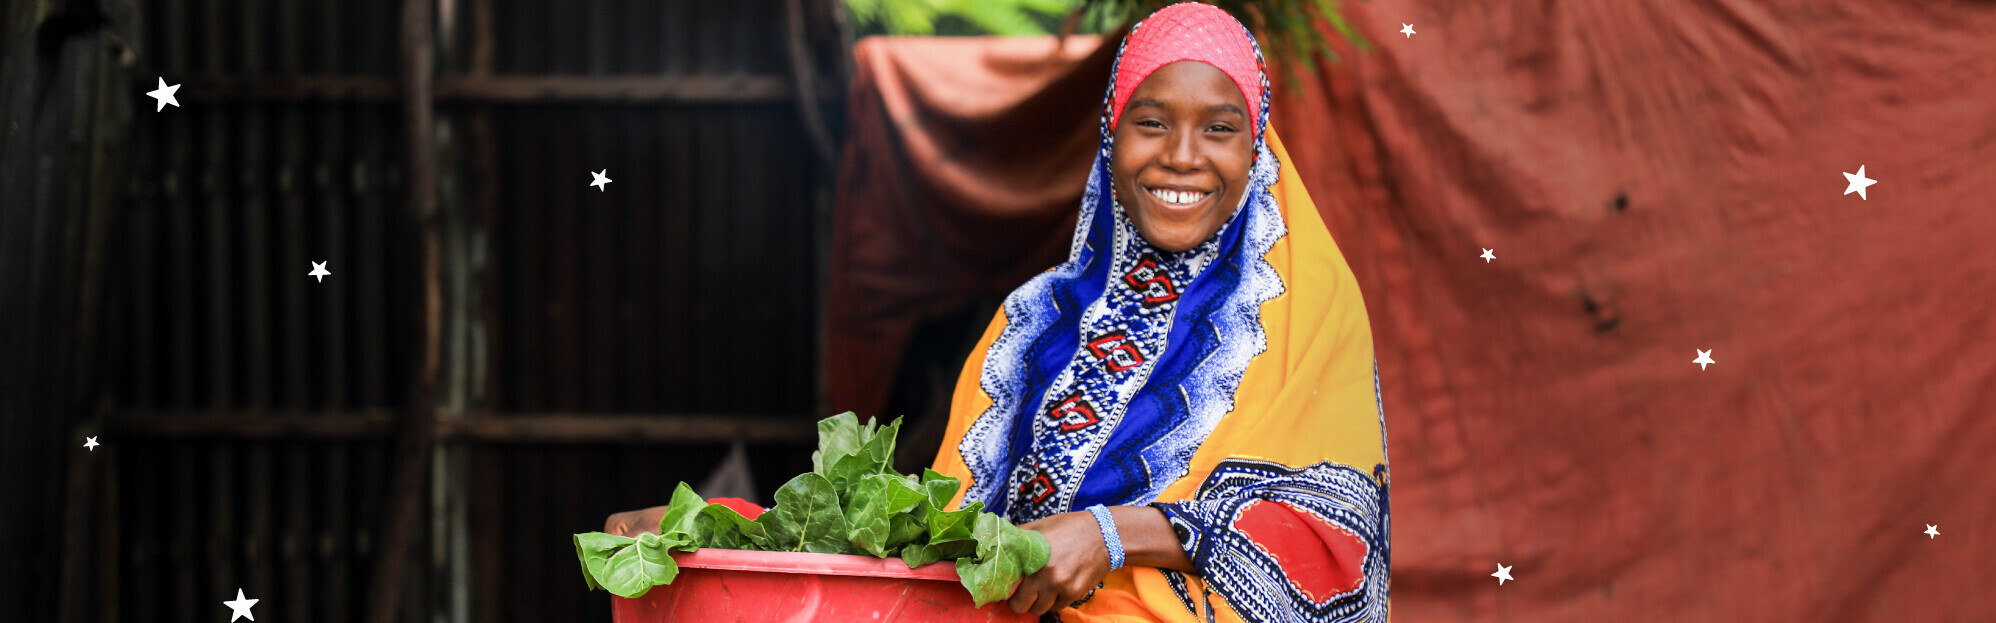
(1189, 31)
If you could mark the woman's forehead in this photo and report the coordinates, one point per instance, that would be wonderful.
(1189, 84)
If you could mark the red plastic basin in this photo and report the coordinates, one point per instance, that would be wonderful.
(723, 585)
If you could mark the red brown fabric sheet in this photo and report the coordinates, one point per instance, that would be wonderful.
(1654, 178)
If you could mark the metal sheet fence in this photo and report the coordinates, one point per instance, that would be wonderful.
(260, 402)
(686, 287)
(230, 203)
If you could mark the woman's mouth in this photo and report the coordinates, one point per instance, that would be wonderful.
(1177, 199)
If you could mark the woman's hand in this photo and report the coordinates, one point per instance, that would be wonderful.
(633, 523)
(1078, 562)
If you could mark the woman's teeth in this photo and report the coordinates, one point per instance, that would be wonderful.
(1175, 197)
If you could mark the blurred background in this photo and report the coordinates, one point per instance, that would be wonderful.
(806, 218)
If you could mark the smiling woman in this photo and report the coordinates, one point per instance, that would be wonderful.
(1188, 407)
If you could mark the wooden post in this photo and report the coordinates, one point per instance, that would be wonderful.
(804, 71)
(413, 451)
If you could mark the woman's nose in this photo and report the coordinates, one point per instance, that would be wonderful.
(1181, 152)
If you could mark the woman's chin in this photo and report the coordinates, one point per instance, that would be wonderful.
(1172, 243)
(1175, 237)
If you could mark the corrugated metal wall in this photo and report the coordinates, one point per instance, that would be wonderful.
(256, 406)
(688, 286)
(231, 201)
(680, 287)
(62, 164)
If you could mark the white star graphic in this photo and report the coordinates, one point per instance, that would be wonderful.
(600, 179)
(1933, 531)
(319, 271)
(165, 95)
(1487, 256)
(1704, 357)
(241, 607)
(1408, 29)
(91, 443)
(1503, 573)
(1858, 182)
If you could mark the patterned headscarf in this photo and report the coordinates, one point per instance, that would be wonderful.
(1188, 32)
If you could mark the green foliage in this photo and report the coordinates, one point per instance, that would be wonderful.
(852, 502)
(1287, 28)
(872, 509)
(678, 522)
(806, 517)
(594, 550)
(1004, 554)
(625, 566)
(959, 17)
(726, 529)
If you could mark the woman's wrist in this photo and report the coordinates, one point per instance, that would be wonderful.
(1111, 538)
(1148, 540)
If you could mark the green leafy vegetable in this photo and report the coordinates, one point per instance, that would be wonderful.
(838, 436)
(851, 469)
(917, 554)
(951, 525)
(872, 508)
(851, 502)
(1004, 554)
(634, 569)
(726, 529)
(849, 452)
(806, 517)
(594, 550)
(679, 515)
(905, 529)
(939, 487)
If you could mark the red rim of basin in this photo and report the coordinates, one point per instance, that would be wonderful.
(806, 562)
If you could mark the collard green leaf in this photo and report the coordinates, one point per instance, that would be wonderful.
(871, 509)
(830, 544)
(1004, 554)
(679, 515)
(849, 471)
(806, 517)
(725, 528)
(781, 537)
(945, 525)
(848, 457)
(880, 446)
(848, 451)
(838, 436)
(634, 569)
(939, 487)
(918, 554)
(951, 525)
(593, 550)
(905, 528)
(988, 582)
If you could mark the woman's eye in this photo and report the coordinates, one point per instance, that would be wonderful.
(1219, 128)
(1150, 123)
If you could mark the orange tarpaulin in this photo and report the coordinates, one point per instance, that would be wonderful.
(1654, 179)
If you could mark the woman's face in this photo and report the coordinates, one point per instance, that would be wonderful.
(1182, 154)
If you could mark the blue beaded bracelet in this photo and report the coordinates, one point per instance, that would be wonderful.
(1109, 535)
